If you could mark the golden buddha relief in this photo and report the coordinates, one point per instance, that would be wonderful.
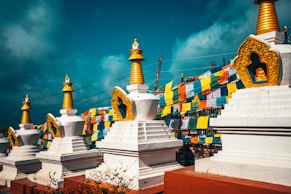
(122, 105)
(257, 64)
(13, 139)
(53, 126)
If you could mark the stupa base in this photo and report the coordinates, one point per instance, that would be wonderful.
(56, 167)
(138, 170)
(17, 169)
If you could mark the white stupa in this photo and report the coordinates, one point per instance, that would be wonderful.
(4, 144)
(256, 123)
(67, 155)
(21, 161)
(138, 144)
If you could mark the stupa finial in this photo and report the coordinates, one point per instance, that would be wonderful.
(136, 75)
(25, 119)
(68, 98)
(267, 17)
(135, 44)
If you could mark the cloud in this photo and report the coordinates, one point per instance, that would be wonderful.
(112, 65)
(29, 39)
(222, 37)
(29, 42)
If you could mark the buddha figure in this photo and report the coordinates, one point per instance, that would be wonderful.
(260, 75)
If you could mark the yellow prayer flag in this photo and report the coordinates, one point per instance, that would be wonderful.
(219, 73)
(107, 124)
(231, 87)
(94, 137)
(169, 97)
(186, 106)
(217, 135)
(205, 83)
(196, 99)
(111, 112)
(168, 86)
(84, 132)
(202, 122)
(166, 111)
(95, 127)
(48, 144)
(208, 140)
(92, 111)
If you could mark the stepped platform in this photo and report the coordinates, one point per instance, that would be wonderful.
(186, 181)
(183, 180)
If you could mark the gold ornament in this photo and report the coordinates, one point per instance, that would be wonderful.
(121, 101)
(266, 55)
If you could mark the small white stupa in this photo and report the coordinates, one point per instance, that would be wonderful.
(21, 161)
(256, 123)
(67, 155)
(4, 144)
(142, 147)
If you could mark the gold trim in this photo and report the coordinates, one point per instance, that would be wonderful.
(267, 56)
(117, 94)
(52, 122)
(136, 74)
(267, 17)
(25, 118)
(68, 103)
(12, 137)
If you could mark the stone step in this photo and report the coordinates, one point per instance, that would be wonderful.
(164, 136)
(254, 158)
(146, 171)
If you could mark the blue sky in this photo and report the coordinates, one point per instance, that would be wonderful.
(41, 41)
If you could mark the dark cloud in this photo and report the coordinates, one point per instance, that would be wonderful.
(28, 37)
(29, 41)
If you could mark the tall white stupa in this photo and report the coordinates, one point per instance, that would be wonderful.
(67, 155)
(138, 144)
(21, 161)
(256, 123)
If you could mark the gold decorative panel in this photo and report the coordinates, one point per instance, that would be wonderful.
(53, 126)
(266, 56)
(12, 137)
(122, 105)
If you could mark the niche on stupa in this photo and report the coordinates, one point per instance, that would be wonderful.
(13, 137)
(53, 126)
(257, 64)
(122, 105)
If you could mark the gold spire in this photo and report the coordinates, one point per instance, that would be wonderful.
(136, 74)
(25, 119)
(68, 89)
(267, 17)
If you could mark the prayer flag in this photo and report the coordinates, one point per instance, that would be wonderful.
(168, 86)
(184, 123)
(202, 122)
(95, 127)
(197, 86)
(186, 106)
(166, 111)
(231, 87)
(94, 136)
(205, 83)
(202, 104)
(192, 124)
